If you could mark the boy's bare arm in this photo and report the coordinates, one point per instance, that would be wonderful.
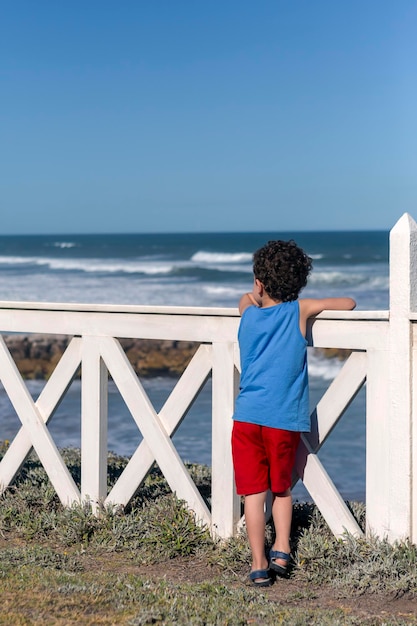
(248, 299)
(314, 306)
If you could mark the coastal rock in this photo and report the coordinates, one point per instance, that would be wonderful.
(36, 356)
(334, 353)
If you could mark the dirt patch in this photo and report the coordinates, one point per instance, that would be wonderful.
(288, 593)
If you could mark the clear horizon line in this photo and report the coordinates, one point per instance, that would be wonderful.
(200, 232)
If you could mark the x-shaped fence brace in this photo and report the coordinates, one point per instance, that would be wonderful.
(96, 355)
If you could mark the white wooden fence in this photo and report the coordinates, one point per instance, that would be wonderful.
(384, 351)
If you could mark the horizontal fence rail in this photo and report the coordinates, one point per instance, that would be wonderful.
(383, 351)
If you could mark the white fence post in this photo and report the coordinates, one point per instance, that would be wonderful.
(225, 504)
(403, 299)
(93, 423)
(377, 442)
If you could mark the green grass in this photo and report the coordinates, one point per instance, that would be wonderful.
(151, 564)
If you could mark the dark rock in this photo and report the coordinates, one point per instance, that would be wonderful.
(36, 356)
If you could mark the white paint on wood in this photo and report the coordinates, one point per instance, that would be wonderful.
(403, 255)
(349, 334)
(35, 428)
(203, 329)
(337, 398)
(47, 403)
(377, 444)
(152, 429)
(225, 504)
(324, 493)
(94, 399)
(171, 415)
(413, 530)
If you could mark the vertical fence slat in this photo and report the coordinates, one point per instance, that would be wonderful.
(377, 443)
(403, 297)
(413, 534)
(225, 504)
(93, 423)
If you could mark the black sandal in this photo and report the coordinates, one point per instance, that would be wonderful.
(260, 578)
(281, 570)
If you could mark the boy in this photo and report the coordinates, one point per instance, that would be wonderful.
(272, 407)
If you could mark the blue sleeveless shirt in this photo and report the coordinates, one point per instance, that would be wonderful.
(274, 379)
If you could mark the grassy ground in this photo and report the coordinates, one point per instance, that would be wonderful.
(150, 564)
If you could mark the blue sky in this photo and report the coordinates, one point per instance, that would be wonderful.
(229, 115)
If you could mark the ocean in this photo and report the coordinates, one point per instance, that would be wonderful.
(205, 269)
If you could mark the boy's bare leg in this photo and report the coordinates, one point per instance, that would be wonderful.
(282, 516)
(255, 528)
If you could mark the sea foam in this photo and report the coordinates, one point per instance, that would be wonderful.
(221, 257)
(323, 367)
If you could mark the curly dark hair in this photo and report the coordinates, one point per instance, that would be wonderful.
(283, 269)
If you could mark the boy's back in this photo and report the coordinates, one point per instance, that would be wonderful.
(274, 382)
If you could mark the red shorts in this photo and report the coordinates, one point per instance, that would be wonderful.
(263, 457)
